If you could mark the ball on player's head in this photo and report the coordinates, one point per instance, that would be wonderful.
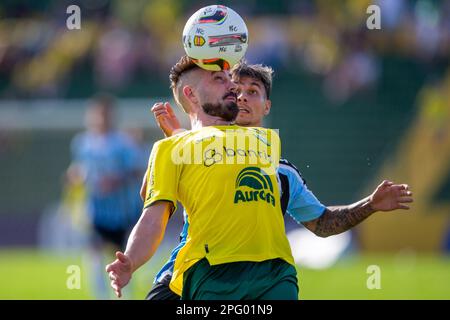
(215, 38)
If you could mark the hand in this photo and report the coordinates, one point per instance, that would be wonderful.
(166, 118)
(74, 175)
(119, 272)
(389, 196)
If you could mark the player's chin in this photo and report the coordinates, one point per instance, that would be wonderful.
(230, 103)
(243, 119)
(232, 111)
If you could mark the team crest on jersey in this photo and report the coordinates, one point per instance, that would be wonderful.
(253, 184)
(149, 194)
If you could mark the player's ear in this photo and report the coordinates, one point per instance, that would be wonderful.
(189, 94)
(267, 106)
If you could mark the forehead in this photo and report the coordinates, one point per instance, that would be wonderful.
(249, 81)
(225, 73)
(200, 74)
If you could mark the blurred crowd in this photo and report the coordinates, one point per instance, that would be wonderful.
(121, 42)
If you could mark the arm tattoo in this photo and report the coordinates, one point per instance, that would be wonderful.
(338, 219)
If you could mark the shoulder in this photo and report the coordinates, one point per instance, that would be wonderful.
(120, 138)
(79, 140)
(268, 136)
(264, 131)
(79, 137)
(171, 141)
(289, 169)
(180, 136)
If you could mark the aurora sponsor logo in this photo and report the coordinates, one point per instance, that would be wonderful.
(253, 184)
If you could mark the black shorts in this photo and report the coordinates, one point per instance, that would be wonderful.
(115, 237)
(161, 291)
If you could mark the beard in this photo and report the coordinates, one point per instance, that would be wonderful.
(228, 111)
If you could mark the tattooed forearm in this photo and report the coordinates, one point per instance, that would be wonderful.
(338, 219)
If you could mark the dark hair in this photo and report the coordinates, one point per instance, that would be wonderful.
(183, 65)
(255, 71)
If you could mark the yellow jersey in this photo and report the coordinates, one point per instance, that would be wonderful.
(225, 178)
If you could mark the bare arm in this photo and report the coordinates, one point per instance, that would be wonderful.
(337, 219)
(142, 244)
(148, 232)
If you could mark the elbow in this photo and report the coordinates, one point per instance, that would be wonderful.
(322, 234)
(327, 233)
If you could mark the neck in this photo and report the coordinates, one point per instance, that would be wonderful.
(201, 120)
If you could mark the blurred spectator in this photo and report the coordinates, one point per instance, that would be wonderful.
(106, 162)
(268, 43)
(140, 152)
(434, 106)
(392, 12)
(428, 31)
(120, 43)
(358, 71)
(115, 58)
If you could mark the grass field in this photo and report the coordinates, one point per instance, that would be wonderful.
(29, 274)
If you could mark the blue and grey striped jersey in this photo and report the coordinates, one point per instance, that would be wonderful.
(296, 200)
(107, 157)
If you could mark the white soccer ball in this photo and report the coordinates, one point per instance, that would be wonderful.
(215, 37)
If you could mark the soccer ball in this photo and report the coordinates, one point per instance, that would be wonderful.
(215, 38)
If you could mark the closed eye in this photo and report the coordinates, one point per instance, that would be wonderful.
(219, 78)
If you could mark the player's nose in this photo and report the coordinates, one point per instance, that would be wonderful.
(233, 87)
(241, 97)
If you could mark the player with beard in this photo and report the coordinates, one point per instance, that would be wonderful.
(225, 178)
(254, 89)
